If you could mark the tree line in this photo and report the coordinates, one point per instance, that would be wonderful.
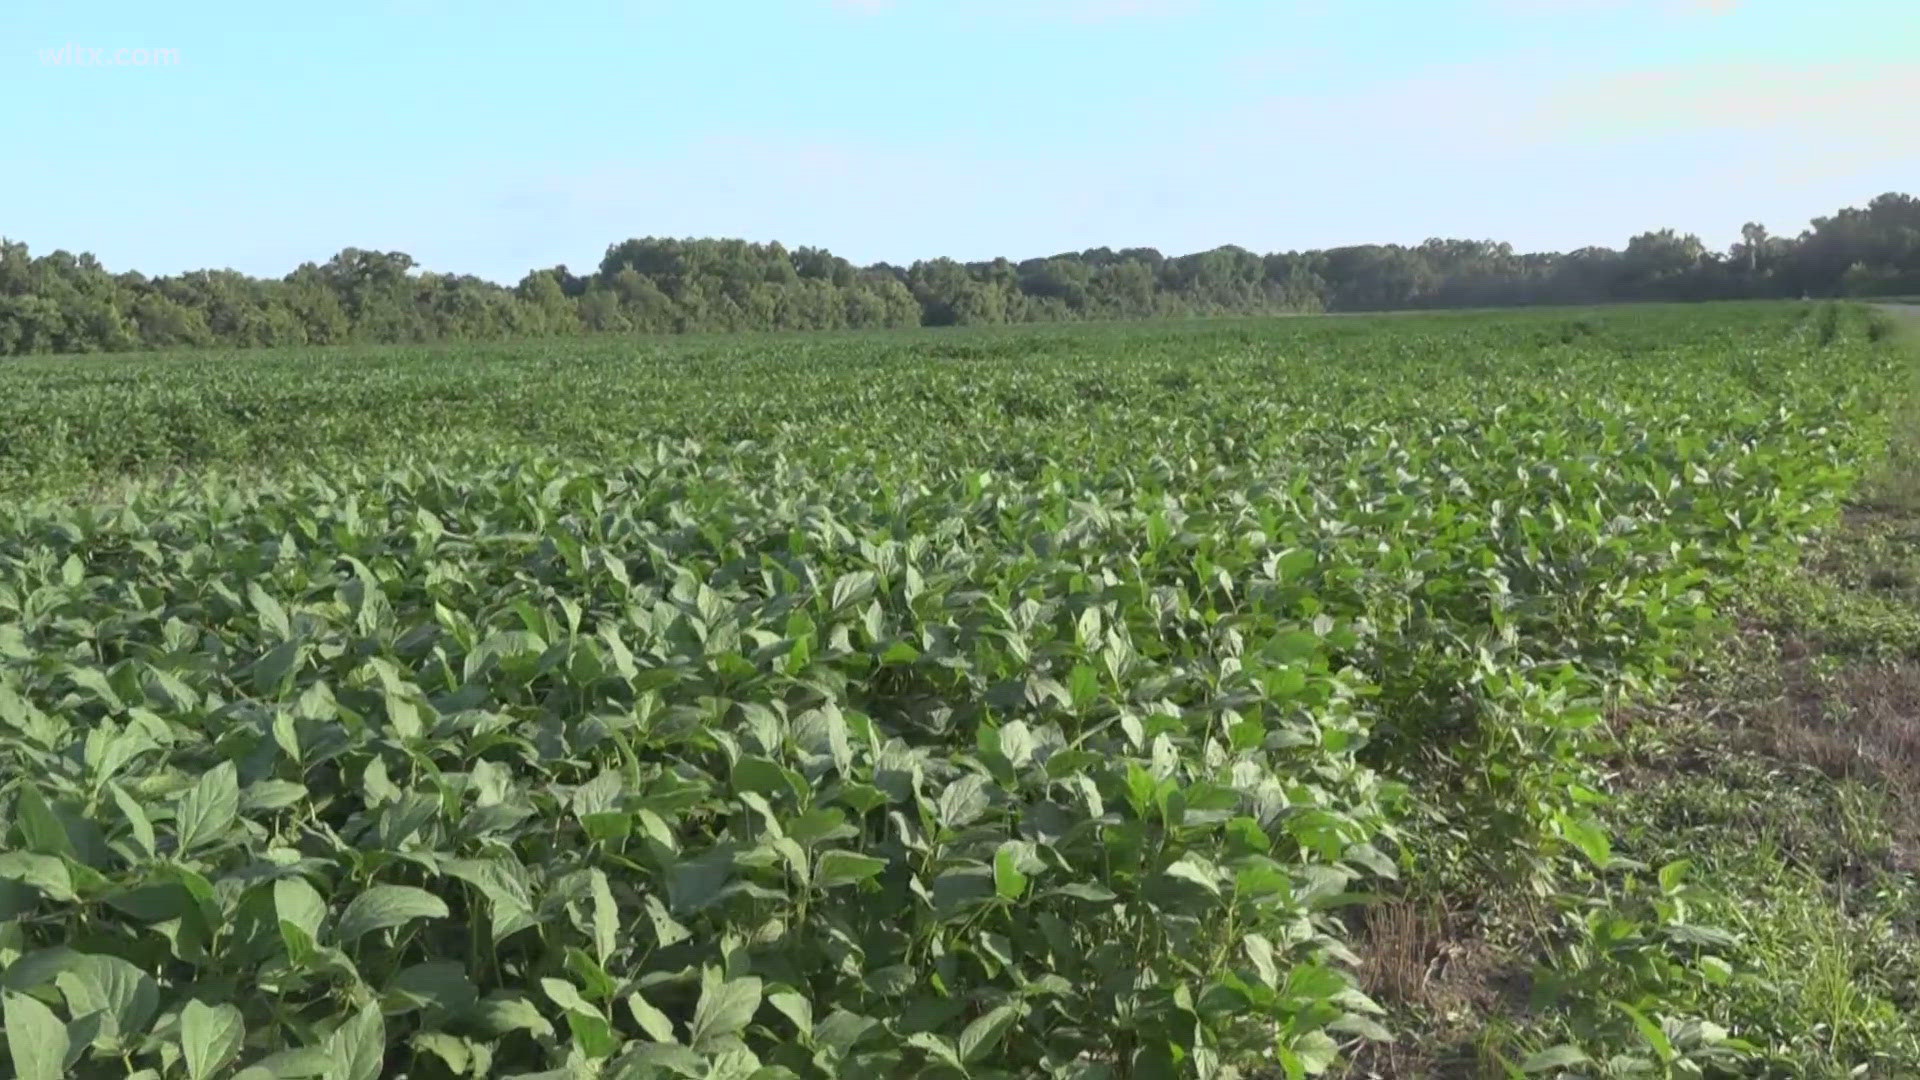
(68, 303)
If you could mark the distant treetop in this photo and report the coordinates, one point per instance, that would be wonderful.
(70, 303)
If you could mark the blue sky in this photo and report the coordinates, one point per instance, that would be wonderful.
(490, 137)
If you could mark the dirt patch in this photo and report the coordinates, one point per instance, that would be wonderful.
(1861, 722)
(1423, 960)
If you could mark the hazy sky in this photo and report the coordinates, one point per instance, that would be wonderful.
(491, 137)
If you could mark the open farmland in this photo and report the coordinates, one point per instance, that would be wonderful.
(995, 704)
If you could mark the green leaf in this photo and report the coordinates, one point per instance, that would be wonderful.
(502, 1014)
(726, 1006)
(814, 826)
(36, 1039)
(298, 905)
(764, 776)
(404, 714)
(1717, 971)
(94, 679)
(938, 1048)
(296, 1064)
(500, 647)
(83, 1032)
(698, 882)
(963, 801)
(114, 988)
(503, 881)
(439, 984)
(841, 1029)
(1083, 685)
(385, 906)
(359, 1046)
(1008, 880)
(666, 930)
(592, 1034)
(209, 808)
(566, 995)
(1711, 937)
(851, 589)
(1373, 859)
(44, 872)
(651, 1020)
(137, 820)
(273, 617)
(13, 643)
(1587, 835)
(606, 917)
(600, 794)
(1650, 1031)
(1197, 870)
(452, 1051)
(1364, 1026)
(38, 826)
(268, 795)
(274, 670)
(1080, 890)
(836, 867)
(595, 983)
(985, 1032)
(839, 742)
(1315, 1052)
(1673, 875)
(795, 1008)
(210, 1036)
(608, 825)
(1260, 951)
(36, 969)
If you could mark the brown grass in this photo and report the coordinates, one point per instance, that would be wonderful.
(1431, 964)
(1861, 723)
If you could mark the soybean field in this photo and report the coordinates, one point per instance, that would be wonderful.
(1063, 702)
